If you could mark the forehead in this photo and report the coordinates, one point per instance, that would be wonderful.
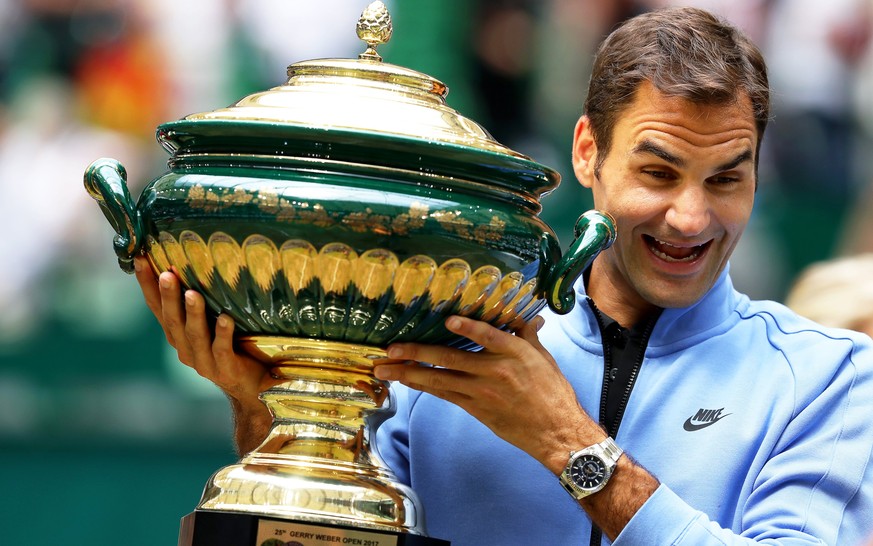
(679, 121)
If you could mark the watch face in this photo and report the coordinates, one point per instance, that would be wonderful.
(588, 471)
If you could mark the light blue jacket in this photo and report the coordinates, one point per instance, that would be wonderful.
(780, 412)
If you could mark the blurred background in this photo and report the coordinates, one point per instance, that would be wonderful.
(104, 437)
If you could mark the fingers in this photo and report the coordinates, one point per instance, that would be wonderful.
(222, 345)
(490, 338)
(183, 316)
(444, 383)
(148, 283)
(173, 316)
(529, 332)
(198, 336)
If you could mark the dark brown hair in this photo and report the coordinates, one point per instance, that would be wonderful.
(682, 52)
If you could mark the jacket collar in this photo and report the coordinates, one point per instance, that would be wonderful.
(676, 328)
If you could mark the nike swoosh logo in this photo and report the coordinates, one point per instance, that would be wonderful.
(691, 426)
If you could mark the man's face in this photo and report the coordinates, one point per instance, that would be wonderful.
(680, 181)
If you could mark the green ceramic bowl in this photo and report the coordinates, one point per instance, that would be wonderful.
(350, 204)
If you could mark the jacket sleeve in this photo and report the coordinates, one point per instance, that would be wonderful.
(815, 488)
(392, 436)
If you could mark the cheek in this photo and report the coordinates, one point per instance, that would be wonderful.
(635, 205)
(734, 213)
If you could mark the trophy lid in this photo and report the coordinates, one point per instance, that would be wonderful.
(374, 103)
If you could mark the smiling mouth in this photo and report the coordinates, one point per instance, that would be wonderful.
(673, 253)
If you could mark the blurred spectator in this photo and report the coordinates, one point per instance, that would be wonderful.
(836, 293)
(857, 235)
(65, 107)
(83, 79)
(751, 16)
(814, 50)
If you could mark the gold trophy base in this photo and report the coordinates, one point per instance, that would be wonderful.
(314, 477)
(205, 528)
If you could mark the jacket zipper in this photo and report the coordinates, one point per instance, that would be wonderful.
(635, 370)
(612, 428)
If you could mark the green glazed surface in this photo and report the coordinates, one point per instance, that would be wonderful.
(328, 238)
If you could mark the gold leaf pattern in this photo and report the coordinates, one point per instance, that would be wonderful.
(490, 232)
(373, 272)
(298, 263)
(412, 279)
(268, 201)
(368, 222)
(317, 216)
(410, 221)
(262, 260)
(228, 258)
(199, 256)
(376, 273)
(452, 222)
(283, 209)
(333, 267)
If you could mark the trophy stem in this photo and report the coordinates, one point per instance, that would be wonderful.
(316, 464)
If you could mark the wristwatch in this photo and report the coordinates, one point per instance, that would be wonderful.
(589, 469)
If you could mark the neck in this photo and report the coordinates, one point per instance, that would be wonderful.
(614, 299)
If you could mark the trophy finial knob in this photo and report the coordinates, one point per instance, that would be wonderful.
(374, 28)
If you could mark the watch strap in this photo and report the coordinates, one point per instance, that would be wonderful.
(611, 449)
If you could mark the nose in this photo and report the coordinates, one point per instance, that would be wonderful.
(689, 210)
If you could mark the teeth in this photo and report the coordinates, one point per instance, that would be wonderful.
(667, 258)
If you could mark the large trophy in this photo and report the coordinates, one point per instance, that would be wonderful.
(342, 211)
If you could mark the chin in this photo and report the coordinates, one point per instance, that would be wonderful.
(676, 297)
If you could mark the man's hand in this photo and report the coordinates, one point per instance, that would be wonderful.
(513, 386)
(184, 320)
(516, 389)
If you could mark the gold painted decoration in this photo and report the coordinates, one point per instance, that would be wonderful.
(298, 263)
(228, 258)
(392, 297)
(374, 272)
(199, 257)
(448, 284)
(333, 267)
(262, 261)
(507, 288)
(482, 283)
(286, 210)
(176, 258)
(157, 256)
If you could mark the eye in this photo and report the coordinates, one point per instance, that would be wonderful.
(724, 179)
(659, 174)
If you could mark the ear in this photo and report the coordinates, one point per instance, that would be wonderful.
(584, 152)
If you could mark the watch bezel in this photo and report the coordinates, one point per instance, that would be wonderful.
(582, 477)
(579, 484)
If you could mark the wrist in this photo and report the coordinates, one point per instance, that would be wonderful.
(589, 469)
(584, 433)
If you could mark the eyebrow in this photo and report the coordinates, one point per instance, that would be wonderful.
(735, 162)
(649, 147)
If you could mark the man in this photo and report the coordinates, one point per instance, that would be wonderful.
(733, 421)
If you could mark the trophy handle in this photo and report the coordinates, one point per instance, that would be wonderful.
(106, 182)
(595, 232)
